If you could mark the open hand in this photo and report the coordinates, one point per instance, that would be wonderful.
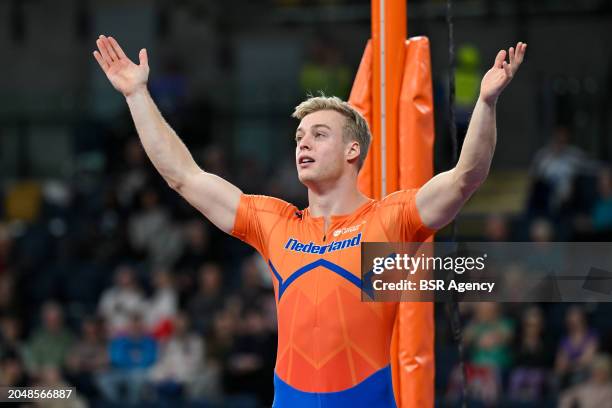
(123, 74)
(502, 72)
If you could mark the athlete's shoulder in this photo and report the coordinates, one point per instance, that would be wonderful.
(399, 197)
(268, 204)
(399, 214)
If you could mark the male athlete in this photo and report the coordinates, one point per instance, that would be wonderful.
(333, 349)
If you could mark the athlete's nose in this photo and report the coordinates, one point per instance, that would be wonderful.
(304, 143)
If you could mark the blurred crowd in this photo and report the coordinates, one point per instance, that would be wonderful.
(527, 355)
(549, 354)
(112, 284)
(571, 190)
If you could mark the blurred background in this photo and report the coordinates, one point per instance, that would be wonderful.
(109, 282)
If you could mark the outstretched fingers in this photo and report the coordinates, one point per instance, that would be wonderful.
(508, 70)
(518, 58)
(499, 59)
(110, 49)
(114, 45)
(143, 58)
(520, 52)
(103, 64)
(515, 56)
(103, 48)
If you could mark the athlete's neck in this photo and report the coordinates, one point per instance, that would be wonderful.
(339, 199)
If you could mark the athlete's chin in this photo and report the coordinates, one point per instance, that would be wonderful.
(307, 177)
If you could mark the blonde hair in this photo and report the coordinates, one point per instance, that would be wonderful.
(355, 127)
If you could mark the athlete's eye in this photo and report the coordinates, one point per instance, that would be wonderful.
(319, 134)
(297, 139)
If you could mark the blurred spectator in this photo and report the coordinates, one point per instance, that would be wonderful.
(577, 349)
(7, 293)
(7, 288)
(484, 386)
(169, 89)
(544, 258)
(222, 337)
(214, 160)
(553, 171)
(219, 342)
(51, 377)
(594, 222)
(6, 246)
(119, 302)
(110, 214)
(467, 80)
(596, 392)
(131, 355)
(325, 71)
(251, 176)
(532, 359)
(10, 336)
(196, 251)
(489, 336)
(252, 287)
(467, 76)
(251, 359)
(12, 371)
(541, 230)
(152, 233)
(180, 359)
(112, 244)
(602, 210)
(51, 343)
(514, 278)
(268, 309)
(197, 245)
(285, 184)
(88, 358)
(163, 306)
(496, 229)
(134, 176)
(208, 299)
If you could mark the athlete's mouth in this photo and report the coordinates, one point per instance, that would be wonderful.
(305, 160)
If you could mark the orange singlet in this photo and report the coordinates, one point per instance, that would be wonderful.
(333, 349)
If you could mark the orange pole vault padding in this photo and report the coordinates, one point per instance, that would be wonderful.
(416, 132)
(361, 99)
(406, 136)
(413, 340)
(388, 37)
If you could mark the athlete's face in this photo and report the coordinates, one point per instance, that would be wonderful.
(322, 154)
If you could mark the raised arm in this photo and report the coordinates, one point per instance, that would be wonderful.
(441, 198)
(214, 197)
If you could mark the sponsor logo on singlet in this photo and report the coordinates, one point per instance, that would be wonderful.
(310, 248)
(341, 231)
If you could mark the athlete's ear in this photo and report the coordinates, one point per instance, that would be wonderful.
(353, 150)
